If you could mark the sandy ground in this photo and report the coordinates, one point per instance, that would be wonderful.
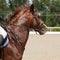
(45, 47)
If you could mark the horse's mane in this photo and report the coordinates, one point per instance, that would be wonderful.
(19, 9)
(16, 12)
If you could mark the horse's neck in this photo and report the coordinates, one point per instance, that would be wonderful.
(22, 32)
(14, 51)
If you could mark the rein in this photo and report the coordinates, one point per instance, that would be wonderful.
(15, 36)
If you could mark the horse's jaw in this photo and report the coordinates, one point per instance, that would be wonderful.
(42, 31)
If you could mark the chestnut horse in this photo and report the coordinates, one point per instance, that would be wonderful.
(18, 28)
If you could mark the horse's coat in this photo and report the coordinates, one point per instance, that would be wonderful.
(22, 20)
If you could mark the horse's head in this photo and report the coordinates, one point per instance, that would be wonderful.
(38, 24)
(26, 16)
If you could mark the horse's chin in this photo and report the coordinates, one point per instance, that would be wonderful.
(41, 32)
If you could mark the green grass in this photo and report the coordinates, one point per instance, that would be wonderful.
(53, 29)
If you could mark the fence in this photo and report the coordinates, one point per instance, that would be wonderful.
(53, 28)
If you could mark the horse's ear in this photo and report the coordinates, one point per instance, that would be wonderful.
(32, 8)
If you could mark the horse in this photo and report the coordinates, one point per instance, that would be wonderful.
(23, 19)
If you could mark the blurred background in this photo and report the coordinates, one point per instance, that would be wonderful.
(49, 10)
(39, 47)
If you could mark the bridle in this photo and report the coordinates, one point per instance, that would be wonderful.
(16, 37)
(39, 26)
